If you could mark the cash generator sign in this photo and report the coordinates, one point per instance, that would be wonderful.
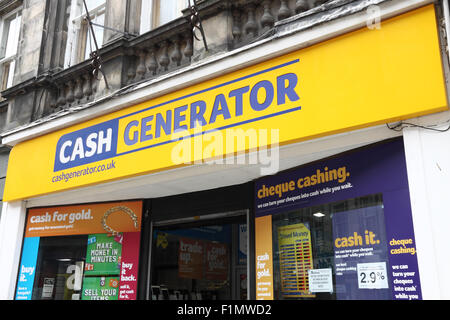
(150, 128)
(363, 78)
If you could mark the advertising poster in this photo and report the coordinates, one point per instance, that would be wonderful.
(320, 280)
(361, 254)
(190, 258)
(84, 219)
(202, 259)
(112, 238)
(216, 261)
(27, 270)
(294, 246)
(100, 288)
(264, 258)
(129, 266)
(243, 247)
(103, 254)
(404, 271)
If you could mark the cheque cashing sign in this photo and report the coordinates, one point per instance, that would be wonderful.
(362, 78)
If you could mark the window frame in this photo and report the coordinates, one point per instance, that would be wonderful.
(153, 14)
(78, 32)
(9, 61)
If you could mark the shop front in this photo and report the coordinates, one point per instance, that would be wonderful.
(102, 251)
(339, 228)
(83, 252)
(275, 181)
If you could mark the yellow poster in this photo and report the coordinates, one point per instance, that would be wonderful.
(264, 266)
(294, 245)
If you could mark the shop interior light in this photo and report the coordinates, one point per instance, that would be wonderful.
(318, 215)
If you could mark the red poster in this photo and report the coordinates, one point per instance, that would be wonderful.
(216, 261)
(129, 266)
(190, 258)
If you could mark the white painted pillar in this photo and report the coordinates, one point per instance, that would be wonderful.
(428, 163)
(12, 225)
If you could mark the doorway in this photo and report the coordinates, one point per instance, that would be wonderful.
(200, 258)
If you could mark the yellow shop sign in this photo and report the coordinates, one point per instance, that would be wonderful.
(363, 78)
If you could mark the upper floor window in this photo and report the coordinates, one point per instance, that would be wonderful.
(80, 39)
(10, 30)
(155, 13)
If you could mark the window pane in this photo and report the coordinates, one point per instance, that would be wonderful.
(92, 4)
(199, 263)
(98, 31)
(5, 75)
(5, 34)
(335, 241)
(59, 260)
(8, 74)
(10, 78)
(146, 21)
(167, 11)
(170, 10)
(13, 36)
(10, 36)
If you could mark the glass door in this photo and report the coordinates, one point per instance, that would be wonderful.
(203, 259)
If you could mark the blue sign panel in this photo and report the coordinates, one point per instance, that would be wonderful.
(88, 145)
(27, 269)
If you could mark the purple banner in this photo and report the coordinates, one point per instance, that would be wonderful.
(361, 255)
(377, 169)
(401, 246)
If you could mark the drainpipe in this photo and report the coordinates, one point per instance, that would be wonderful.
(446, 8)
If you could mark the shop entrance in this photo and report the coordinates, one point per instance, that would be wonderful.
(201, 258)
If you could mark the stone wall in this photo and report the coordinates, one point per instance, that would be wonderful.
(30, 40)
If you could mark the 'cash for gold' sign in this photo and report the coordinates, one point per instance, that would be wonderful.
(110, 218)
(360, 79)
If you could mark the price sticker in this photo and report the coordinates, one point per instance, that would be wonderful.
(372, 275)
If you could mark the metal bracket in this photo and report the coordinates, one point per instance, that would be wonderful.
(196, 23)
(95, 56)
(127, 34)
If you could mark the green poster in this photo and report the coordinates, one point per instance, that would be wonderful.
(103, 254)
(100, 288)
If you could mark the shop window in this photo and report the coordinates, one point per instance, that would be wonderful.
(155, 13)
(338, 229)
(59, 268)
(80, 38)
(334, 240)
(200, 262)
(10, 30)
(84, 252)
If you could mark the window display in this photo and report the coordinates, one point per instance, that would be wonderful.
(343, 244)
(340, 228)
(83, 252)
(201, 262)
